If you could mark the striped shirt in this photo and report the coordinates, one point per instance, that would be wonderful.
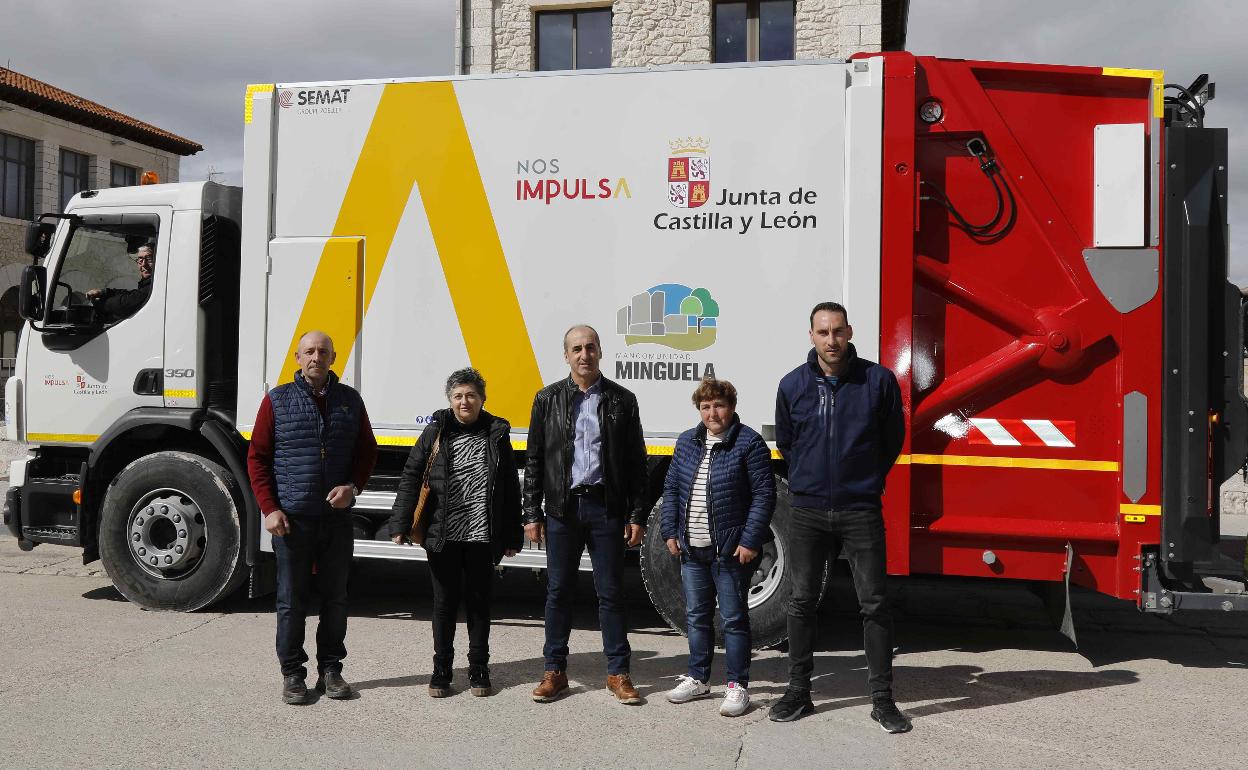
(467, 520)
(699, 531)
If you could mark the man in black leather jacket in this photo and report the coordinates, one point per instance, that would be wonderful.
(584, 485)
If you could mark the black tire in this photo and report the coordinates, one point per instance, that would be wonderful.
(769, 615)
(215, 507)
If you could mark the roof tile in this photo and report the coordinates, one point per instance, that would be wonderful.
(17, 88)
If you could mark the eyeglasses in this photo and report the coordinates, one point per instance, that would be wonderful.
(142, 259)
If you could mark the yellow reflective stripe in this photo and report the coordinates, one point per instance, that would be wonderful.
(395, 440)
(440, 161)
(180, 393)
(1159, 84)
(252, 90)
(919, 459)
(1009, 462)
(64, 438)
(1140, 510)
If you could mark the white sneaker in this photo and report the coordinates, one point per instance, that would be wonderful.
(736, 701)
(687, 688)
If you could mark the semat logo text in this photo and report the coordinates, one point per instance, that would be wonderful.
(321, 96)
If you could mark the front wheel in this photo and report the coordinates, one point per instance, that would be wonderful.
(769, 591)
(170, 537)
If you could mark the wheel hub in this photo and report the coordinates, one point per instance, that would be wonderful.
(166, 534)
(770, 572)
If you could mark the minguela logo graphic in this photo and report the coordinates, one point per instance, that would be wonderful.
(672, 315)
(689, 173)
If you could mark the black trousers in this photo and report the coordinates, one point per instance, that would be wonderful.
(814, 536)
(328, 542)
(462, 573)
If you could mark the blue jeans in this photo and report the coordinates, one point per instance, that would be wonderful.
(707, 576)
(326, 542)
(566, 538)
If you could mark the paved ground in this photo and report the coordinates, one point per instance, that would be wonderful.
(88, 679)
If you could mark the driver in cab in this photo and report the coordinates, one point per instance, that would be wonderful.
(117, 304)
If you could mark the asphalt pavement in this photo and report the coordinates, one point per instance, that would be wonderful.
(88, 679)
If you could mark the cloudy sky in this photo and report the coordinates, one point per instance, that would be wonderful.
(183, 66)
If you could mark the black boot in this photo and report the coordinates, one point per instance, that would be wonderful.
(333, 685)
(479, 679)
(294, 690)
(440, 681)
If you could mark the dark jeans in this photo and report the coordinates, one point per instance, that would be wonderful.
(707, 576)
(814, 536)
(327, 542)
(461, 571)
(589, 527)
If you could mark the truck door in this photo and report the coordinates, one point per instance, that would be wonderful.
(100, 351)
(314, 283)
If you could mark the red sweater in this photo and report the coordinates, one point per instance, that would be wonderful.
(260, 456)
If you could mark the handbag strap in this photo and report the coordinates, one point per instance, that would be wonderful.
(437, 444)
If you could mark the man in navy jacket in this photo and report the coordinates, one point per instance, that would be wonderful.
(840, 427)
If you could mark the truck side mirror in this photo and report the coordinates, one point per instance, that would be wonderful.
(31, 291)
(39, 238)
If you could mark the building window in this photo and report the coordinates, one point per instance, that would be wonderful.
(753, 30)
(17, 177)
(75, 168)
(123, 176)
(574, 40)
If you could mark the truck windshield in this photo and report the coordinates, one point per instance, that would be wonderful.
(106, 267)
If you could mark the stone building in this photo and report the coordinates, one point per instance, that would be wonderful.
(54, 144)
(527, 35)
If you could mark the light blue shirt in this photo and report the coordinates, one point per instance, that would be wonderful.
(587, 443)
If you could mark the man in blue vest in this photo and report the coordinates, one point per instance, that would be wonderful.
(312, 451)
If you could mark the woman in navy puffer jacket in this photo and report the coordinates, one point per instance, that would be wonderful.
(718, 500)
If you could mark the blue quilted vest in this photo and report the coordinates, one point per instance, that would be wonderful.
(311, 454)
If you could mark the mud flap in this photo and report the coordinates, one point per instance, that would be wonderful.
(263, 579)
(1067, 625)
(1056, 599)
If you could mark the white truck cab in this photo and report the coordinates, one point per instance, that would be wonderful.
(123, 358)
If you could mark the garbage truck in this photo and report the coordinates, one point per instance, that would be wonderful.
(1038, 252)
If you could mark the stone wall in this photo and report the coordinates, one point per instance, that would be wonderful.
(512, 36)
(652, 32)
(657, 32)
(835, 29)
(12, 234)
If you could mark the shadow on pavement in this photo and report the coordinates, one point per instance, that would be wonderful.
(104, 593)
(932, 614)
(973, 616)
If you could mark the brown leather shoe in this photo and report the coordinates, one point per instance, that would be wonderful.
(621, 686)
(553, 684)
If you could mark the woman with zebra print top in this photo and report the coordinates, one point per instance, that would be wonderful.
(473, 512)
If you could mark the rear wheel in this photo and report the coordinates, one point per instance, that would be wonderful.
(170, 537)
(770, 587)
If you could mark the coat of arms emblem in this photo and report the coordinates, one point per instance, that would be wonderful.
(689, 173)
